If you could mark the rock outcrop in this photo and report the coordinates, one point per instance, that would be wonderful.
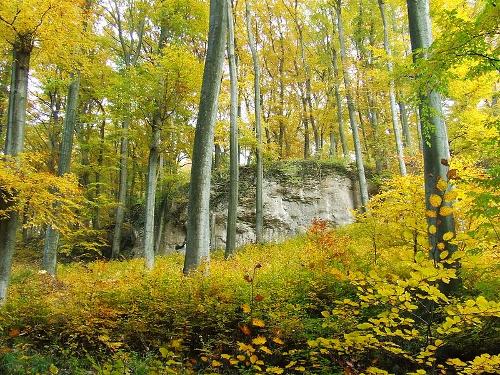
(295, 193)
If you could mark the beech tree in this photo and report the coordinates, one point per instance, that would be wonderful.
(363, 187)
(198, 225)
(232, 210)
(259, 214)
(435, 145)
(22, 25)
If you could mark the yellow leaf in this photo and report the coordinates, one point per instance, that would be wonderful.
(241, 357)
(254, 358)
(164, 352)
(216, 363)
(435, 200)
(325, 314)
(450, 196)
(226, 356)
(246, 308)
(440, 246)
(448, 236)
(278, 341)
(265, 349)
(442, 185)
(445, 211)
(259, 340)
(443, 255)
(258, 323)
(432, 229)
(53, 369)
(431, 213)
(275, 370)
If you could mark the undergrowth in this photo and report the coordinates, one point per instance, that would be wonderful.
(360, 299)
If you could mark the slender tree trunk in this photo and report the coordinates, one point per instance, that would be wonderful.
(392, 93)
(122, 191)
(52, 234)
(259, 215)
(363, 187)
(14, 146)
(198, 225)
(305, 122)
(218, 156)
(378, 148)
(333, 144)
(100, 161)
(436, 148)
(152, 179)
(407, 141)
(338, 100)
(12, 100)
(419, 130)
(232, 209)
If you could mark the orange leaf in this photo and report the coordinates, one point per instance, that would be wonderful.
(259, 297)
(14, 332)
(246, 331)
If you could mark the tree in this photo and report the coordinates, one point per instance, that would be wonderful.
(52, 235)
(198, 225)
(392, 92)
(363, 187)
(154, 155)
(22, 26)
(232, 210)
(130, 53)
(435, 146)
(259, 215)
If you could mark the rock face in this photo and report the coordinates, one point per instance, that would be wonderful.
(290, 210)
(290, 206)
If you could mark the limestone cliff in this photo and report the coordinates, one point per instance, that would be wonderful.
(295, 193)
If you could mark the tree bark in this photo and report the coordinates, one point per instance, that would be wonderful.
(149, 226)
(363, 187)
(233, 140)
(407, 141)
(198, 225)
(392, 93)
(122, 191)
(435, 146)
(52, 235)
(152, 181)
(259, 215)
(14, 146)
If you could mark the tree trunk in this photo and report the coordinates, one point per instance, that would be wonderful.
(149, 226)
(198, 225)
(392, 93)
(52, 235)
(419, 130)
(259, 215)
(436, 148)
(232, 210)
(96, 222)
(122, 191)
(407, 141)
(14, 146)
(218, 156)
(338, 100)
(152, 180)
(363, 187)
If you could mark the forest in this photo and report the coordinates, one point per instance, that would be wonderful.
(249, 187)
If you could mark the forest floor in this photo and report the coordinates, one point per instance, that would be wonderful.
(317, 303)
